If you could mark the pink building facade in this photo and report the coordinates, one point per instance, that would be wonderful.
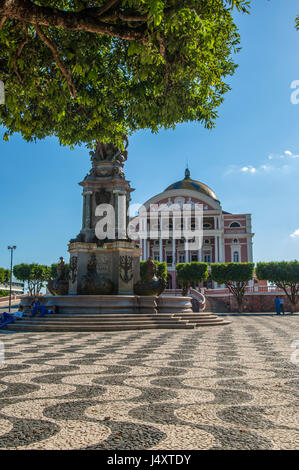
(226, 237)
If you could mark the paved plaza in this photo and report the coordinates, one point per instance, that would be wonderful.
(229, 387)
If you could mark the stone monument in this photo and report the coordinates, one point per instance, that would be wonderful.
(104, 267)
(110, 265)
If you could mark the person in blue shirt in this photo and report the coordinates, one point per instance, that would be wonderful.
(36, 306)
(277, 305)
(8, 318)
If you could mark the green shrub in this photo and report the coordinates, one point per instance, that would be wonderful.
(190, 273)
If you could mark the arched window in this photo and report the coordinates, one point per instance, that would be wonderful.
(235, 224)
(235, 240)
(236, 258)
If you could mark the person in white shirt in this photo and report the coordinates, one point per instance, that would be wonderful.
(19, 314)
(281, 305)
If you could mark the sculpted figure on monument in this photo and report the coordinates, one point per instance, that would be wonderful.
(151, 270)
(60, 285)
(61, 270)
(109, 153)
(94, 283)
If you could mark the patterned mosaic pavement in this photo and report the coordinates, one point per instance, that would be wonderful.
(231, 387)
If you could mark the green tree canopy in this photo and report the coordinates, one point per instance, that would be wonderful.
(235, 276)
(190, 273)
(285, 274)
(86, 70)
(34, 274)
(4, 275)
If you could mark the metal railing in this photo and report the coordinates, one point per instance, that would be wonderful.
(195, 294)
(248, 290)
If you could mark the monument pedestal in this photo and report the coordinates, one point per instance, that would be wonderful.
(109, 269)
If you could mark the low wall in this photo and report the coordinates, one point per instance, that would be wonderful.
(256, 302)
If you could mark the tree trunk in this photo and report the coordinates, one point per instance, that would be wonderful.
(185, 290)
(240, 303)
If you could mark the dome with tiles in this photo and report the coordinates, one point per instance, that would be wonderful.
(193, 185)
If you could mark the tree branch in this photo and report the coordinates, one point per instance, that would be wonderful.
(15, 62)
(84, 20)
(167, 69)
(55, 53)
(2, 21)
(107, 7)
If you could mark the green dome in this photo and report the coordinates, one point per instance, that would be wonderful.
(193, 185)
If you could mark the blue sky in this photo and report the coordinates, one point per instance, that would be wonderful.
(251, 158)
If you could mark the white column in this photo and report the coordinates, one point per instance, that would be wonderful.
(187, 251)
(216, 249)
(173, 251)
(249, 250)
(200, 254)
(160, 250)
(221, 249)
(144, 240)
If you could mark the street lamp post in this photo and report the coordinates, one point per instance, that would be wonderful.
(11, 248)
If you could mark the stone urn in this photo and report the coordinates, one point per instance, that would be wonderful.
(155, 287)
(59, 285)
(151, 285)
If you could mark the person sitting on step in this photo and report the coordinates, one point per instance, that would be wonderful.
(36, 306)
(45, 311)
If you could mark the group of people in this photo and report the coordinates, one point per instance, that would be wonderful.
(36, 307)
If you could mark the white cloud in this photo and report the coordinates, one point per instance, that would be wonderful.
(286, 154)
(248, 169)
(295, 234)
(282, 166)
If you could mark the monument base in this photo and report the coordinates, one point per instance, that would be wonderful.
(109, 269)
(105, 304)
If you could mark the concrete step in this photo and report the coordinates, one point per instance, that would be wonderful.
(120, 315)
(91, 328)
(100, 318)
(115, 322)
(40, 326)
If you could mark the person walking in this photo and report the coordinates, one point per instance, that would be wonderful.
(277, 305)
(282, 305)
